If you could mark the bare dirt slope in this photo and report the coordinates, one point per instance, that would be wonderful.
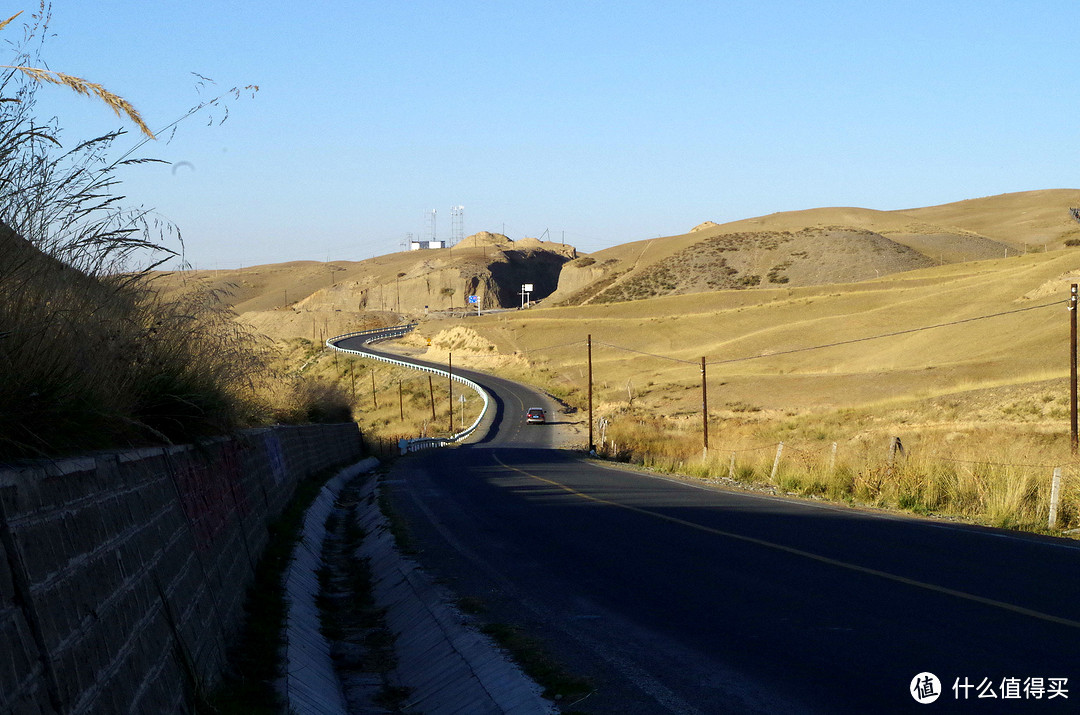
(313, 299)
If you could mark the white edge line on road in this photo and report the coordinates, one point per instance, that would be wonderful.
(963, 528)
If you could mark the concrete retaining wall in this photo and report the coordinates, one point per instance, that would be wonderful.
(123, 576)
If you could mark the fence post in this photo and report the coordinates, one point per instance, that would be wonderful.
(592, 445)
(776, 462)
(832, 459)
(894, 446)
(704, 411)
(1055, 495)
(1074, 431)
(731, 467)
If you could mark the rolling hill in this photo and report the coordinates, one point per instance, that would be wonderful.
(317, 300)
(827, 334)
(821, 246)
(736, 293)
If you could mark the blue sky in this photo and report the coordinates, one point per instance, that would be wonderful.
(603, 122)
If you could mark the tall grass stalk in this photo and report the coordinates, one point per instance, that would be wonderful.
(91, 354)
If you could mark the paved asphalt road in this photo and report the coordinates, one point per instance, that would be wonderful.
(675, 597)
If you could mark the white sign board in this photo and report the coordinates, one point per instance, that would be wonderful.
(527, 288)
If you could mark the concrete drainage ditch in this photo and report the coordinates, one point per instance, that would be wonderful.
(389, 639)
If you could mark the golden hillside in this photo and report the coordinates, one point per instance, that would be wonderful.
(822, 246)
(749, 335)
(945, 327)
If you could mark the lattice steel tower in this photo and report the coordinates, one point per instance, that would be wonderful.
(457, 224)
(430, 217)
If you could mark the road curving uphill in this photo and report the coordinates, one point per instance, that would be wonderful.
(675, 596)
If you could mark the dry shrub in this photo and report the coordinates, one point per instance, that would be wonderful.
(194, 370)
(298, 400)
(107, 362)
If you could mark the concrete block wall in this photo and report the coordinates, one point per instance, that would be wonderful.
(123, 575)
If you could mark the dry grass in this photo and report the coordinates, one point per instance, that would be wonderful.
(389, 402)
(92, 354)
(92, 362)
(990, 476)
(118, 104)
(980, 405)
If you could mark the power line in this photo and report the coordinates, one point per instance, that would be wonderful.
(805, 349)
(829, 345)
(553, 347)
(987, 463)
(883, 335)
(642, 352)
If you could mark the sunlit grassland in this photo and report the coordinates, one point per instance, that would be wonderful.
(980, 403)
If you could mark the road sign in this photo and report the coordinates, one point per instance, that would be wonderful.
(474, 299)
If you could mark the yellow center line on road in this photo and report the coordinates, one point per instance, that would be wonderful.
(806, 554)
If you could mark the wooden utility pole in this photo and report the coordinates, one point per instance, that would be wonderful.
(450, 374)
(1072, 370)
(400, 401)
(431, 393)
(704, 408)
(592, 446)
(374, 401)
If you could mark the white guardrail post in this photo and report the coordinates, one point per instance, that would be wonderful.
(378, 334)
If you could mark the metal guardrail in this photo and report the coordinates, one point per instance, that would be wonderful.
(380, 334)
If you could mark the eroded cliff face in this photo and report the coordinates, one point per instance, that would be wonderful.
(489, 266)
(581, 278)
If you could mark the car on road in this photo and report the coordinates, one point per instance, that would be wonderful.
(535, 416)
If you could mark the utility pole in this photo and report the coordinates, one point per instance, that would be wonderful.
(431, 393)
(1073, 440)
(450, 380)
(401, 402)
(592, 446)
(704, 408)
(374, 401)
